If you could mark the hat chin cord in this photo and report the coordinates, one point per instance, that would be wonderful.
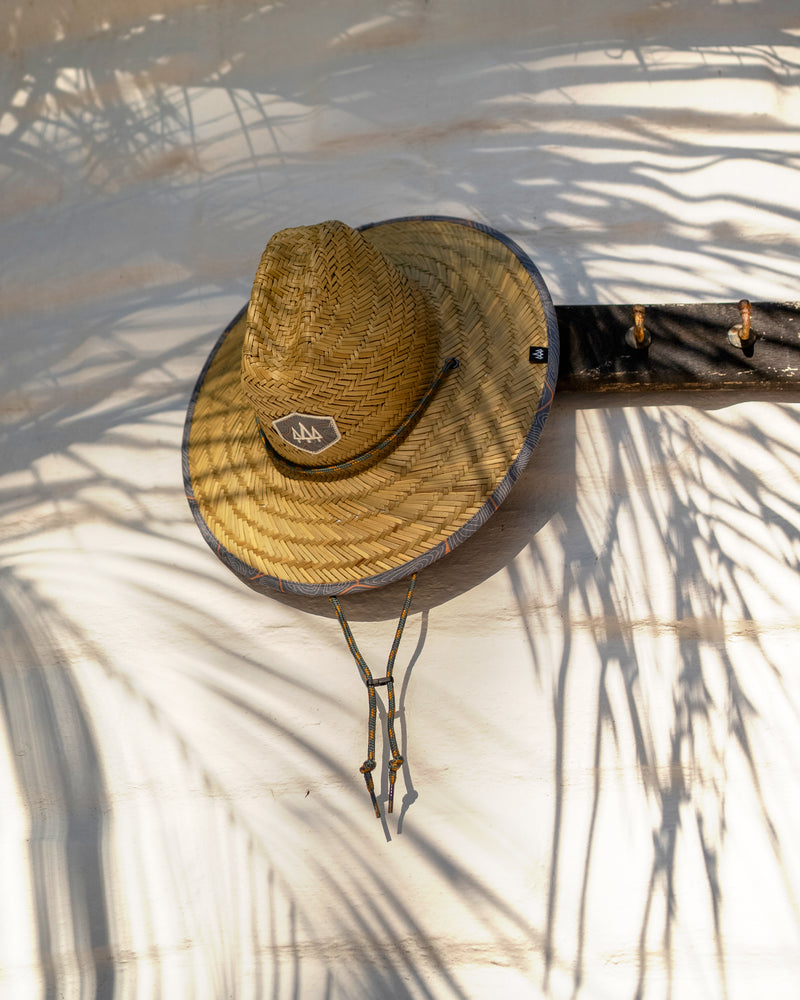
(372, 682)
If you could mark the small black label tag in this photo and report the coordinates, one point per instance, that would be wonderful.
(537, 355)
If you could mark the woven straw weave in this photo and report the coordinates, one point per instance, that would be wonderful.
(334, 323)
(448, 290)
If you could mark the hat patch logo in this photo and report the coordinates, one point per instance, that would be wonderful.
(308, 432)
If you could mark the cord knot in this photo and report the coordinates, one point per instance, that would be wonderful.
(372, 682)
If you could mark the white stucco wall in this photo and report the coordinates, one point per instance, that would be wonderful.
(599, 694)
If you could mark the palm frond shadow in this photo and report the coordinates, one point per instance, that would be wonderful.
(74, 879)
(692, 516)
(60, 778)
(245, 918)
(86, 142)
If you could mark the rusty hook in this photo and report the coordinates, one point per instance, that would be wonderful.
(742, 335)
(636, 335)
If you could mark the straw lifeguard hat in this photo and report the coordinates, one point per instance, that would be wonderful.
(372, 405)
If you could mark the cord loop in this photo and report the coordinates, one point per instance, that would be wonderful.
(371, 683)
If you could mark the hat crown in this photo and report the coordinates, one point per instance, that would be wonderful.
(335, 331)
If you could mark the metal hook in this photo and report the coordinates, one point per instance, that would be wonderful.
(741, 335)
(636, 336)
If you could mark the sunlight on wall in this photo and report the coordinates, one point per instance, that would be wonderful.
(598, 700)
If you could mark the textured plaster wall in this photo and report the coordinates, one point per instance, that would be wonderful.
(599, 693)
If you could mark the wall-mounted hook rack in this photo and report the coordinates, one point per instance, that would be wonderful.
(689, 347)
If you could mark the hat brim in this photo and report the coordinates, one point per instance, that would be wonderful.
(447, 476)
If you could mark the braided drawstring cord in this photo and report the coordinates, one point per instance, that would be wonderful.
(371, 682)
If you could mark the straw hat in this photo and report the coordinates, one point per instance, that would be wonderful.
(332, 443)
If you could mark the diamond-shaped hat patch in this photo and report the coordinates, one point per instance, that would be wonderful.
(308, 432)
